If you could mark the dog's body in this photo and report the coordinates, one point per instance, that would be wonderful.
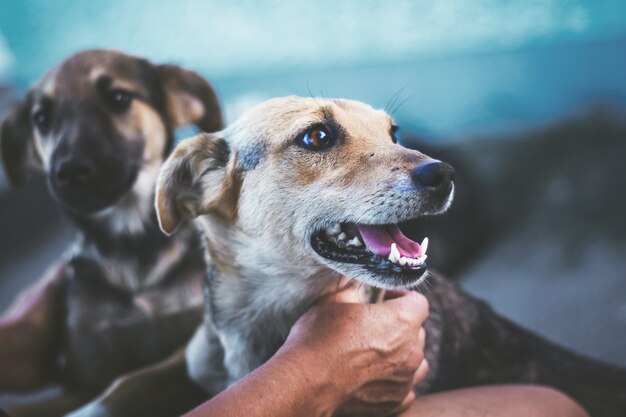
(99, 126)
(129, 309)
(274, 193)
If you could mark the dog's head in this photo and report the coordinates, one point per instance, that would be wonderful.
(99, 125)
(309, 180)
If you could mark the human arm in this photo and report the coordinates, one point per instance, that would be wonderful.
(28, 331)
(341, 355)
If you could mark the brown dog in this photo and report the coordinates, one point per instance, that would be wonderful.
(99, 127)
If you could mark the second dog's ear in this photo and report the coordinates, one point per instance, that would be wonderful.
(16, 146)
(198, 177)
(190, 99)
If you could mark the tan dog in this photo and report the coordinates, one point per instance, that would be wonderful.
(301, 191)
(286, 196)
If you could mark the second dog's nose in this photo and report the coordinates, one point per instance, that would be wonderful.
(74, 172)
(435, 176)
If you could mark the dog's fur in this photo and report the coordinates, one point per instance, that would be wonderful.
(133, 295)
(259, 197)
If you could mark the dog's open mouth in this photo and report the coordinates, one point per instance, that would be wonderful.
(381, 248)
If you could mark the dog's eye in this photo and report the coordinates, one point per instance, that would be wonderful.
(119, 100)
(41, 119)
(317, 138)
(395, 134)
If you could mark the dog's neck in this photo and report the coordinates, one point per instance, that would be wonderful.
(249, 282)
(254, 293)
(129, 226)
(126, 238)
(134, 214)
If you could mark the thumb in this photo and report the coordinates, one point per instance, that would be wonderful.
(411, 301)
(349, 294)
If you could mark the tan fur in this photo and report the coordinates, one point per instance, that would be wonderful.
(273, 209)
(180, 107)
(258, 197)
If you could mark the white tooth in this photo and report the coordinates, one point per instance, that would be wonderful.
(424, 246)
(335, 229)
(410, 261)
(395, 251)
(355, 242)
(402, 261)
(394, 255)
(422, 259)
(342, 236)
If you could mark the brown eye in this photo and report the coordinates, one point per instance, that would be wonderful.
(317, 138)
(118, 100)
(42, 119)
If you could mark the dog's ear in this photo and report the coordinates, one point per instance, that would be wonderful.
(190, 99)
(199, 177)
(16, 144)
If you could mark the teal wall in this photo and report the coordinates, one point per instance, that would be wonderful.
(461, 66)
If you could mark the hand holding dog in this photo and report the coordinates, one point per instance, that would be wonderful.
(28, 329)
(374, 353)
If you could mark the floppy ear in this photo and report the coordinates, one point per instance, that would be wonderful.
(198, 177)
(189, 99)
(16, 145)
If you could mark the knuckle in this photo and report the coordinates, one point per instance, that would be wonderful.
(420, 305)
(422, 334)
(414, 360)
(423, 369)
(426, 304)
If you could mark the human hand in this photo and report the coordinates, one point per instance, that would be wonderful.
(29, 329)
(374, 353)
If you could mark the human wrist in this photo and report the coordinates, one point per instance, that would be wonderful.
(17, 331)
(323, 383)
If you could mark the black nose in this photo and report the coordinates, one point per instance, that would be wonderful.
(74, 171)
(435, 176)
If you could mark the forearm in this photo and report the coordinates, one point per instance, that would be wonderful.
(291, 384)
(495, 401)
(17, 368)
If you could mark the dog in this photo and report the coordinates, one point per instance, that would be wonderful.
(99, 126)
(300, 192)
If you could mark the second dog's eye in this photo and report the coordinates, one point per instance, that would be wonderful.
(119, 100)
(317, 138)
(41, 119)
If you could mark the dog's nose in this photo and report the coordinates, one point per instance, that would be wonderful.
(435, 176)
(74, 172)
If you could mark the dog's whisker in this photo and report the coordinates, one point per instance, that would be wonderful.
(391, 102)
(308, 89)
(402, 103)
(358, 291)
(427, 285)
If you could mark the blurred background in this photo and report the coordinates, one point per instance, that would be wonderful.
(527, 99)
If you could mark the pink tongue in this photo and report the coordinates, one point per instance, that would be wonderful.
(378, 239)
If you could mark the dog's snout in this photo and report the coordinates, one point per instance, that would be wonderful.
(74, 171)
(435, 176)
